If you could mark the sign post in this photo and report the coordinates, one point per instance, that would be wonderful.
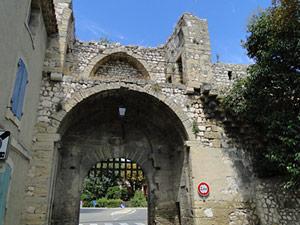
(203, 190)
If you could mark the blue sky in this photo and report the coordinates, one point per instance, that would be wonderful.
(151, 22)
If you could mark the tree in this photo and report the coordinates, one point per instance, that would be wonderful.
(269, 98)
(96, 187)
(134, 177)
(138, 200)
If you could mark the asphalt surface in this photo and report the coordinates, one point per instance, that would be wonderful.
(116, 216)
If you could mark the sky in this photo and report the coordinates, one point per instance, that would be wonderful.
(150, 22)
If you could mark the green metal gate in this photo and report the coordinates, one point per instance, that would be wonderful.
(4, 185)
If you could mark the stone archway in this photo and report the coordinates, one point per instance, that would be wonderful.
(99, 59)
(150, 133)
(120, 65)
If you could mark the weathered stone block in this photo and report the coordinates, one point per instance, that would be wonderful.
(212, 135)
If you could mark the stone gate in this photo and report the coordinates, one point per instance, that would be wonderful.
(172, 128)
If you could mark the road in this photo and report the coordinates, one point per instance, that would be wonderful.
(100, 216)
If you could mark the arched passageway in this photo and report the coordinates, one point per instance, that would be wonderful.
(149, 133)
(120, 171)
(114, 183)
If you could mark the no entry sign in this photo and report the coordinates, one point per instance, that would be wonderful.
(203, 189)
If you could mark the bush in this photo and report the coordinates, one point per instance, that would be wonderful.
(96, 187)
(124, 194)
(117, 193)
(138, 200)
(88, 204)
(109, 203)
(113, 193)
(102, 202)
(83, 197)
(114, 203)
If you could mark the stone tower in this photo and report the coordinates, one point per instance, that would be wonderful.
(189, 47)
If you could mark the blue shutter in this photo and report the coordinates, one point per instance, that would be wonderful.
(19, 90)
(22, 93)
(15, 96)
(4, 185)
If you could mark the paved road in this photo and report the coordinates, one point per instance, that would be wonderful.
(127, 216)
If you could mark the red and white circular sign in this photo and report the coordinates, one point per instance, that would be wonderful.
(203, 189)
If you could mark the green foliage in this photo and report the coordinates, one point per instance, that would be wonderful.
(124, 194)
(196, 129)
(117, 193)
(138, 200)
(96, 187)
(109, 203)
(218, 57)
(83, 196)
(156, 87)
(269, 99)
(88, 204)
(101, 202)
(105, 40)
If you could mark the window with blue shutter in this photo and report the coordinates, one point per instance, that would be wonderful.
(17, 99)
(4, 186)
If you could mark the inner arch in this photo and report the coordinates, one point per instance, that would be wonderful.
(121, 65)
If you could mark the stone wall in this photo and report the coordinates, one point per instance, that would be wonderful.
(210, 138)
(85, 55)
(275, 204)
(224, 74)
(61, 42)
(189, 46)
(118, 69)
(57, 98)
(55, 95)
(235, 198)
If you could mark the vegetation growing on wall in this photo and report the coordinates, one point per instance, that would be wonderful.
(269, 98)
(105, 40)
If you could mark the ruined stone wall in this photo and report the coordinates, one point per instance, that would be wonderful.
(224, 74)
(62, 42)
(189, 45)
(81, 61)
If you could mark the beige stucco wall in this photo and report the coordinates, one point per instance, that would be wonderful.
(17, 42)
